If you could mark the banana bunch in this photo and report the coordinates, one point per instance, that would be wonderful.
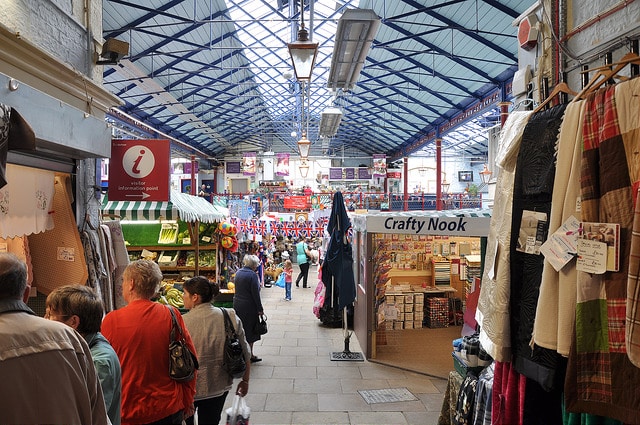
(171, 295)
(174, 297)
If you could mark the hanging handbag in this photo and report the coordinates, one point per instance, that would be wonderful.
(182, 362)
(234, 361)
(261, 325)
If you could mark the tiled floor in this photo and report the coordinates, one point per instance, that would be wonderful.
(298, 383)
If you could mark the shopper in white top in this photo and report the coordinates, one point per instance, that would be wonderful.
(205, 323)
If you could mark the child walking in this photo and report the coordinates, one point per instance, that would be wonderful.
(288, 279)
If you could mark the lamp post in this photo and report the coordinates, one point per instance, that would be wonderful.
(303, 52)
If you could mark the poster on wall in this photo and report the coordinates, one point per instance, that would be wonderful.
(187, 167)
(185, 186)
(379, 165)
(335, 173)
(249, 164)
(349, 173)
(233, 167)
(364, 173)
(282, 164)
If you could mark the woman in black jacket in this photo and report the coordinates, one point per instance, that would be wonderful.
(246, 301)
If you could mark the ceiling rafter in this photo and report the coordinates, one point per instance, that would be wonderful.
(211, 73)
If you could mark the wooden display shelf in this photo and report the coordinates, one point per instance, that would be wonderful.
(171, 248)
(440, 272)
(187, 268)
(408, 273)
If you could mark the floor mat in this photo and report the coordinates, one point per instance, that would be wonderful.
(346, 356)
(387, 395)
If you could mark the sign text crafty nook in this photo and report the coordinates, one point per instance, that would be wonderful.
(416, 225)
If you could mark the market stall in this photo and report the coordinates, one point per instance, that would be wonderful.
(417, 258)
(179, 234)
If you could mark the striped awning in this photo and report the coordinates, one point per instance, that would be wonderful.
(186, 207)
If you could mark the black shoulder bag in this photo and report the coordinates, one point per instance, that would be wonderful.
(234, 361)
(182, 362)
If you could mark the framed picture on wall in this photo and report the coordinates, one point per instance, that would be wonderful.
(465, 176)
(185, 186)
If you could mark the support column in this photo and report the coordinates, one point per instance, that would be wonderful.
(194, 189)
(504, 112)
(439, 203)
(405, 197)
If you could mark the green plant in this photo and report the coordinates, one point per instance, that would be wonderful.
(472, 189)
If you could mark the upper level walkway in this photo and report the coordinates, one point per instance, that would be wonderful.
(282, 202)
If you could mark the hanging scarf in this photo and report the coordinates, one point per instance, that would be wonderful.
(555, 314)
(492, 313)
(599, 372)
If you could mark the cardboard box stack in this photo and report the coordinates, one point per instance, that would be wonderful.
(408, 309)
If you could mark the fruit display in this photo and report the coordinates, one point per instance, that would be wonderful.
(206, 232)
(207, 259)
(190, 260)
(171, 295)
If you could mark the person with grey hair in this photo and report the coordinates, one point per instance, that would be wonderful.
(246, 300)
(80, 307)
(140, 333)
(44, 359)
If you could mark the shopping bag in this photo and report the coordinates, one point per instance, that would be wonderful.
(318, 300)
(280, 280)
(239, 412)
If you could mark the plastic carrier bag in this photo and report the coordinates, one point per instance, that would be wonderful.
(239, 412)
(280, 280)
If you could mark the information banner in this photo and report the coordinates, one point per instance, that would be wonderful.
(139, 170)
(282, 164)
(249, 164)
(297, 202)
(379, 165)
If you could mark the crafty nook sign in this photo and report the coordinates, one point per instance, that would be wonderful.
(424, 225)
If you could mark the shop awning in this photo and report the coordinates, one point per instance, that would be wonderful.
(186, 207)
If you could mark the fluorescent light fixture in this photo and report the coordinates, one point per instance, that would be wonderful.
(329, 122)
(354, 35)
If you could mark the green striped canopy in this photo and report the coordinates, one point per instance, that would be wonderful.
(186, 207)
(140, 210)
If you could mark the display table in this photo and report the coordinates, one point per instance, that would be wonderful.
(224, 299)
(437, 291)
(450, 400)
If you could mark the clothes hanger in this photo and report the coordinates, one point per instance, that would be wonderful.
(606, 73)
(561, 87)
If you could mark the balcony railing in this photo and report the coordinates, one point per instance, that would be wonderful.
(359, 200)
